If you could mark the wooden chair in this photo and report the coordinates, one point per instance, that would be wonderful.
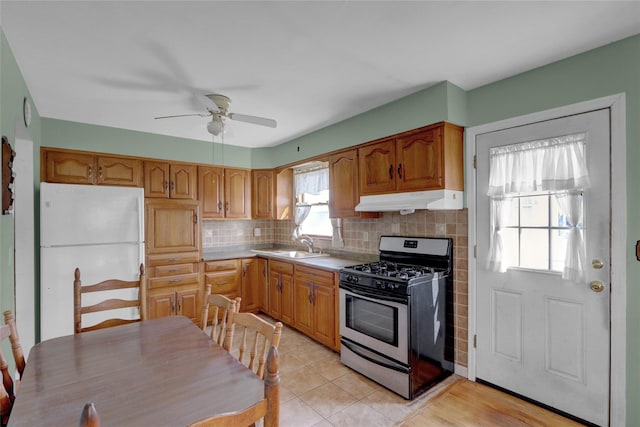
(268, 408)
(112, 285)
(222, 309)
(8, 387)
(262, 335)
(89, 416)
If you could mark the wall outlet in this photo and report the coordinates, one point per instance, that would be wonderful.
(365, 236)
(257, 232)
(395, 228)
(208, 233)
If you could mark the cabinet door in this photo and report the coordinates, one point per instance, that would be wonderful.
(303, 305)
(420, 161)
(262, 197)
(275, 295)
(188, 304)
(69, 168)
(377, 167)
(211, 191)
(237, 193)
(343, 184)
(119, 171)
(251, 285)
(287, 299)
(324, 306)
(161, 305)
(156, 179)
(172, 226)
(182, 181)
(284, 194)
(264, 284)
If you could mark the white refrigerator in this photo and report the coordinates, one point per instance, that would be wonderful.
(98, 229)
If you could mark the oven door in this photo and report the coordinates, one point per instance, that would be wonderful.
(377, 322)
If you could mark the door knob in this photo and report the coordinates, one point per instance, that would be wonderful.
(597, 264)
(596, 286)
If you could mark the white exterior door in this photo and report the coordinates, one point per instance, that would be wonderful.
(539, 335)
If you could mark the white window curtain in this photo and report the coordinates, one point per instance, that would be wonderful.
(336, 238)
(556, 165)
(570, 204)
(311, 181)
(300, 214)
(500, 213)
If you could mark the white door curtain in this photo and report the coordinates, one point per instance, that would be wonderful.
(555, 165)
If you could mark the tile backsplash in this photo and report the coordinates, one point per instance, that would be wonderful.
(362, 236)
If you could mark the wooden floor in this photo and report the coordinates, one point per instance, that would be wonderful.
(466, 403)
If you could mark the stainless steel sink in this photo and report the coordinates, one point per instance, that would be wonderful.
(288, 254)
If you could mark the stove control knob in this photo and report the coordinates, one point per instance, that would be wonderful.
(383, 286)
(352, 279)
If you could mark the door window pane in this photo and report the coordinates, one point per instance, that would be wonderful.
(534, 248)
(534, 211)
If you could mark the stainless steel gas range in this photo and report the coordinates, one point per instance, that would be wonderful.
(396, 314)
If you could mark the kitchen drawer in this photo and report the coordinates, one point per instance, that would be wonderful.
(175, 258)
(172, 281)
(222, 283)
(224, 265)
(280, 267)
(173, 269)
(315, 274)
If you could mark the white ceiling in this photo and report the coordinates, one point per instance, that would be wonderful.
(306, 64)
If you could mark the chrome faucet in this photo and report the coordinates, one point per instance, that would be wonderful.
(307, 241)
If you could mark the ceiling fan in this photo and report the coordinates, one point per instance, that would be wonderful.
(217, 107)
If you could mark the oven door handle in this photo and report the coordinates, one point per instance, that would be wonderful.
(374, 295)
(377, 361)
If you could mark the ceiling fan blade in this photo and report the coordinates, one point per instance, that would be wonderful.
(253, 119)
(181, 115)
(207, 103)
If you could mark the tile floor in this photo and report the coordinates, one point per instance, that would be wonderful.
(317, 390)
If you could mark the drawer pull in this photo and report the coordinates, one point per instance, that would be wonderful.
(175, 280)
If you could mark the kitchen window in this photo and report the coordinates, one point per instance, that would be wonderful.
(311, 183)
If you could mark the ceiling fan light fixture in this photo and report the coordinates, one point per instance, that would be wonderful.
(215, 126)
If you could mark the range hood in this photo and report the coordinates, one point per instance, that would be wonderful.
(407, 203)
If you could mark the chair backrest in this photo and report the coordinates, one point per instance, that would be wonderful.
(222, 307)
(112, 286)
(268, 408)
(89, 416)
(8, 387)
(261, 336)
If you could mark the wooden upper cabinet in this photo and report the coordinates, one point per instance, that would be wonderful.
(272, 194)
(343, 184)
(211, 191)
(377, 167)
(119, 171)
(428, 158)
(237, 193)
(263, 194)
(224, 193)
(170, 180)
(419, 161)
(70, 167)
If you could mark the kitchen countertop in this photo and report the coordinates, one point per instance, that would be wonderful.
(331, 262)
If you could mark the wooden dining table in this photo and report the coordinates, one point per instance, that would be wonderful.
(160, 372)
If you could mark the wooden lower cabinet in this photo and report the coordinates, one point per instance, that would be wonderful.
(281, 291)
(251, 284)
(174, 286)
(224, 277)
(315, 307)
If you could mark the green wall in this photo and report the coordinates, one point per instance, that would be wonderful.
(601, 72)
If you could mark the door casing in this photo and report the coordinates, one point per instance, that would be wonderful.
(618, 309)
